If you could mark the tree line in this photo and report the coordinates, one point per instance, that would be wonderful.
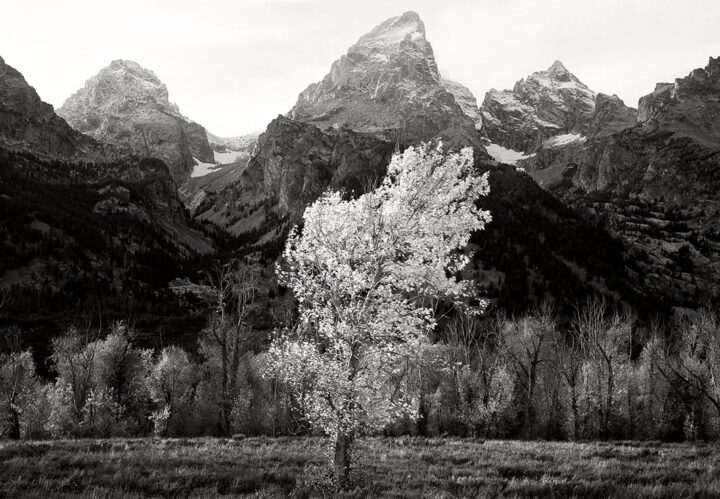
(602, 377)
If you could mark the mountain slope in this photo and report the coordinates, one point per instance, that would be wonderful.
(655, 186)
(28, 123)
(80, 220)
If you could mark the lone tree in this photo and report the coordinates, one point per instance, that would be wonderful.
(365, 273)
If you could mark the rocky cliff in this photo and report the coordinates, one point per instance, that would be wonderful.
(292, 166)
(465, 99)
(128, 106)
(28, 123)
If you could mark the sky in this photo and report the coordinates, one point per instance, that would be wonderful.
(234, 65)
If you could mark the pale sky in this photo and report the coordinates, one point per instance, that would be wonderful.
(233, 65)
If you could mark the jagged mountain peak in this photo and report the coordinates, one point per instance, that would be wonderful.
(559, 78)
(542, 105)
(134, 68)
(127, 105)
(713, 67)
(122, 83)
(387, 84)
(558, 70)
(391, 33)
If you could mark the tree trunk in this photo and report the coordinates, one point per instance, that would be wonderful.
(343, 446)
(529, 403)
(14, 424)
(576, 414)
(423, 413)
(609, 401)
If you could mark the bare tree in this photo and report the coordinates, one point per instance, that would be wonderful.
(693, 359)
(607, 336)
(484, 382)
(235, 289)
(569, 358)
(528, 342)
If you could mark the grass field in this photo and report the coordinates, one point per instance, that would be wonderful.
(399, 467)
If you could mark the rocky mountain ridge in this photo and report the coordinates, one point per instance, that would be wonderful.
(28, 123)
(542, 105)
(655, 186)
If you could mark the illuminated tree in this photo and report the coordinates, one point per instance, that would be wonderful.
(365, 272)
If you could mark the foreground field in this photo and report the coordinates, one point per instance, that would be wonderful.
(399, 467)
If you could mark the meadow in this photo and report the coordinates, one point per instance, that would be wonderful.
(390, 467)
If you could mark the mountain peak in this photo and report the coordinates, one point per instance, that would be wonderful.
(540, 106)
(557, 65)
(127, 105)
(387, 84)
(391, 32)
(121, 83)
(713, 67)
(133, 68)
(558, 71)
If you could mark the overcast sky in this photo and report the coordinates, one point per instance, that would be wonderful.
(233, 65)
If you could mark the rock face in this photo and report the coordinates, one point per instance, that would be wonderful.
(128, 106)
(690, 107)
(655, 186)
(611, 115)
(28, 123)
(545, 104)
(293, 164)
(82, 220)
(465, 99)
(388, 85)
(549, 162)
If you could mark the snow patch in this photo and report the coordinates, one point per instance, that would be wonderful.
(563, 140)
(227, 157)
(504, 155)
(201, 169)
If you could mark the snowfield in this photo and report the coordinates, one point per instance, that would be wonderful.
(227, 157)
(201, 169)
(563, 140)
(504, 155)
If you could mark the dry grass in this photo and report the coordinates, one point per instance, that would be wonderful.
(400, 467)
